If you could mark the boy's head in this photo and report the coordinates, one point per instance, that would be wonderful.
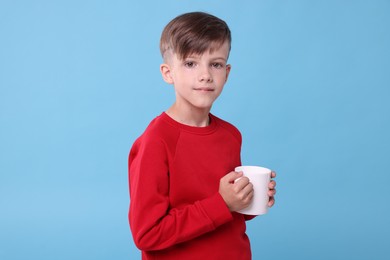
(193, 33)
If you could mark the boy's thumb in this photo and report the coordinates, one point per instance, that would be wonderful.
(232, 176)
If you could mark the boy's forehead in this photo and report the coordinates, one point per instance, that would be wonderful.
(218, 49)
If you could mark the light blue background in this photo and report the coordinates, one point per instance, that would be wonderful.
(309, 90)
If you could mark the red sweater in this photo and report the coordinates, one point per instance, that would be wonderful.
(176, 211)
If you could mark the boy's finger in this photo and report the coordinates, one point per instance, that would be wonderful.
(241, 181)
(271, 202)
(271, 193)
(247, 187)
(242, 184)
(272, 184)
(273, 174)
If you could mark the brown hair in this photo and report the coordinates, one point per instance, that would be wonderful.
(194, 33)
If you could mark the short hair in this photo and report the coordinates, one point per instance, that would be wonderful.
(194, 33)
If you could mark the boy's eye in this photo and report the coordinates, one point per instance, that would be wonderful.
(189, 64)
(217, 65)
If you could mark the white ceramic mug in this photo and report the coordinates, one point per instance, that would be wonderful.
(260, 178)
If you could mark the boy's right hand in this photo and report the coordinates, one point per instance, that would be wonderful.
(236, 194)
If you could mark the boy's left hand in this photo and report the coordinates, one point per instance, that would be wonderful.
(272, 190)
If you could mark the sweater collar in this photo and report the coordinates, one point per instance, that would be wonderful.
(192, 129)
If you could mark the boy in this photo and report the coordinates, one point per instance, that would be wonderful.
(183, 195)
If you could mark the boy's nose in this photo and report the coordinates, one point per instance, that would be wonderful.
(205, 76)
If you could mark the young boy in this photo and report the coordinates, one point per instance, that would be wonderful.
(183, 195)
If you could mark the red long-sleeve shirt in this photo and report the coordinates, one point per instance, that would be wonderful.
(176, 211)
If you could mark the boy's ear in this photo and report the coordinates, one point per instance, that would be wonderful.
(165, 70)
(228, 67)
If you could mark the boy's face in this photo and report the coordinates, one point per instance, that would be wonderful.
(198, 79)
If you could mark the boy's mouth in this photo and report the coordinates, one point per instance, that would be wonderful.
(204, 89)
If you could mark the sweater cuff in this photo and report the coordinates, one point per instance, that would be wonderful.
(217, 210)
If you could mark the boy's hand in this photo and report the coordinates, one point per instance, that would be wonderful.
(237, 195)
(272, 190)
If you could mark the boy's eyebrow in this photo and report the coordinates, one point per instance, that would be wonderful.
(219, 58)
(198, 56)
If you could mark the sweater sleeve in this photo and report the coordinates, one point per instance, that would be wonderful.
(154, 224)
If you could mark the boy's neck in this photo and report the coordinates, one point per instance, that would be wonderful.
(193, 117)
